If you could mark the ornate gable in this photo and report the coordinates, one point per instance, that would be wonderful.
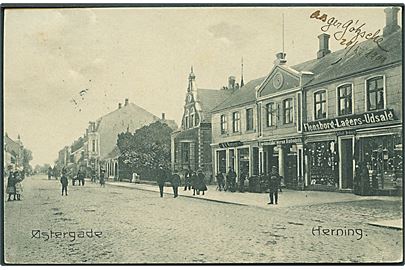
(281, 78)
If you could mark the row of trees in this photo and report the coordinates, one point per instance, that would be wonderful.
(145, 150)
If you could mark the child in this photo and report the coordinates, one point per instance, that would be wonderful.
(18, 189)
(64, 182)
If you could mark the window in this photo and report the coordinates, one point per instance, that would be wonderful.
(375, 93)
(186, 122)
(320, 104)
(93, 145)
(270, 114)
(224, 127)
(345, 99)
(192, 117)
(288, 111)
(236, 122)
(249, 119)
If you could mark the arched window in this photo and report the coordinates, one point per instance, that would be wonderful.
(192, 117)
(186, 119)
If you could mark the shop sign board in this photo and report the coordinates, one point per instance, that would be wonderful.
(231, 144)
(355, 120)
(284, 141)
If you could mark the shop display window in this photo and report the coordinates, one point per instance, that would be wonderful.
(383, 157)
(323, 163)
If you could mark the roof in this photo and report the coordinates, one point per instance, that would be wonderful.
(332, 66)
(10, 145)
(208, 99)
(114, 153)
(245, 94)
(368, 56)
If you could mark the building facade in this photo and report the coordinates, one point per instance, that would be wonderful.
(318, 120)
(190, 144)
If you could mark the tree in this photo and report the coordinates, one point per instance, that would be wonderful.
(26, 158)
(145, 150)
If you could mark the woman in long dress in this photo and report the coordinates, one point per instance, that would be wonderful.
(10, 186)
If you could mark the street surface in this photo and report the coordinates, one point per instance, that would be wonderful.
(138, 226)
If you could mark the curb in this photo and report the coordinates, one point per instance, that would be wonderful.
(185, 196)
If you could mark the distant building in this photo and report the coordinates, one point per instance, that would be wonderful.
(99, 144)
(191, 142)
(13, 153)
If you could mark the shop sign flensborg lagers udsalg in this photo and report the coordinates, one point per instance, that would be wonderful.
(356, 120)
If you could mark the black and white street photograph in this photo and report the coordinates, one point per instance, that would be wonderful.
(202, 134)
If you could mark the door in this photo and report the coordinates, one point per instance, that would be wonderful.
(346, 152)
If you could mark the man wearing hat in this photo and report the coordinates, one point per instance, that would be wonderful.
(274, 185)
(175, 180)
(161, 179)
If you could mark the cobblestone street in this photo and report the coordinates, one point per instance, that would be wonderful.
(139, 227)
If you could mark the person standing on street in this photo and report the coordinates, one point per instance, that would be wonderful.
(194, 182)
(231, 180)
(11, 185)
(274, 185)
(220, 180)
(18, 185)
(175, 180)
(64, 181)
(161, 179)
(187, 176)
(201, 186)
(102, 179)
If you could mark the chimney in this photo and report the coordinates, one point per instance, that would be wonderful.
(163, 116)
(391, 20)
(280, 58)
(231, 82)
(126, 102)
(119, 105)
(323, 45)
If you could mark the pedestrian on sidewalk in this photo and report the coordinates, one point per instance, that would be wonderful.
(175, 181)
(187, 178)
(11, 185)
(220, 181)
(194, 182)
(201, 186)
(274, 185)
(64, 181)
(231, 180)
(161, 179)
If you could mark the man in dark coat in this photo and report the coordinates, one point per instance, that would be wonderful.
(220, 180)
(64, 181)
(231, 180)
(175, 180)
(187, 180)
(161, 179)
(50, 173)
(194, 182)
(201, 186)
(274, 185)
(11, 181)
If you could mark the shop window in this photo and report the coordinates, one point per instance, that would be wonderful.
(236, 122)
(320, 105)
(224, 126)
(375, 93)
(288, 111)
(345, 99)
(249, 119)
(270, 114)
(383, 157)
(323, 164)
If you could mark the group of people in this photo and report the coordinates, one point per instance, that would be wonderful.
(14, 185)
(79, 177)
(195, 181)
(273, 181)
(229, 183)
(192, 180)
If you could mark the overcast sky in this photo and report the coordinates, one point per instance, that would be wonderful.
(142, 54)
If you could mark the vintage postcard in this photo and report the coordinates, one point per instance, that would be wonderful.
(202, 134)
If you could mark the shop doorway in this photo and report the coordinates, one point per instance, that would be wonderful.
(221, 159)
(346, 153)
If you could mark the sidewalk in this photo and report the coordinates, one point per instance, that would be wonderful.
(287, 198)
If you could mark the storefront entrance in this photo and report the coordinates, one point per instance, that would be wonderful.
(346, 163)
